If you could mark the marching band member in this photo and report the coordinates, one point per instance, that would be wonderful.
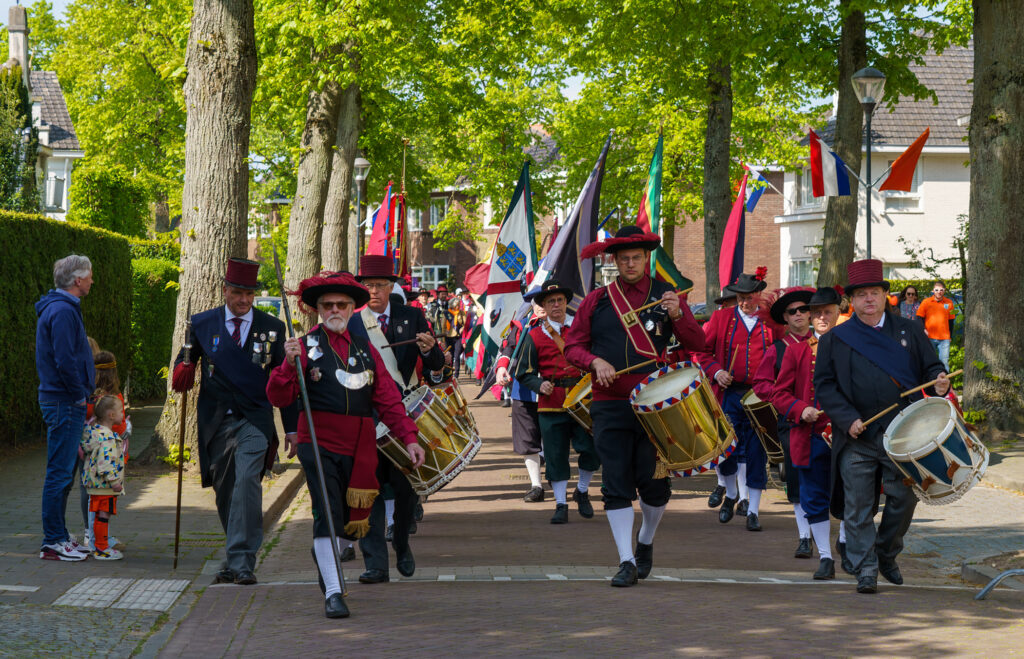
(811, 454)
(347, 383)
(606, 337)
(383, 321)
(862, 367)
(791, 311)
(736, 342)
(544, 370)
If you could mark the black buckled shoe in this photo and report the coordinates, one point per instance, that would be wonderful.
(727, 510)
(891, 572)
(803, 550)
(626, 576)
(582, 500)
(374, 576)
(226, 575)
(335, 607)
(535, 495)
(844, 561)
(561, 515)
(743, 507)
(715, 498)
(867, 585)
(752, 523)
(826, 570)
(644, 558)
(348, 553)
(245, 578)
(405, 562)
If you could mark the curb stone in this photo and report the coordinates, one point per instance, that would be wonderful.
(974, 570)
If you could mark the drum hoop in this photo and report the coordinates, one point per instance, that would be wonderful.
(693, 386)
(707, 466)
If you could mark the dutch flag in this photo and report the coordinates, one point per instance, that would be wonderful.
(828, 171)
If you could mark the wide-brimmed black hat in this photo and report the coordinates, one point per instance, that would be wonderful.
(824, 296)
(750, 283)
(312, 288)
(778, 310)
(627, 237)
(727, 294)
(551, 287)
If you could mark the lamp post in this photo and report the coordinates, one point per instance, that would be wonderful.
(868, 83)
(362, 169)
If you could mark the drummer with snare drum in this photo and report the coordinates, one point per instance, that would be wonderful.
(607, 336)
(862, 367)
(385, 323)
(347, 384)
(543, 368)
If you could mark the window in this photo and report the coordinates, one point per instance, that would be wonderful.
(438, 209)
(414, 219)
(801, 273)
(430, 276)
(897, 201)
(55, 192)
(805, 192)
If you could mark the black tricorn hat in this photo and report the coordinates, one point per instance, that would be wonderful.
(551, 287)
(826, 295)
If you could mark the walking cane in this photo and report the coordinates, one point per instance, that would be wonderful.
(187, 345)
(312, 432)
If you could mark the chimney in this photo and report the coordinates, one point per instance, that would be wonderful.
(17, 29)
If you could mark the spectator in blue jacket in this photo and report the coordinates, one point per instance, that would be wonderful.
(65, 366)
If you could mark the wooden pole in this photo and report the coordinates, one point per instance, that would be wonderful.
(187, 345)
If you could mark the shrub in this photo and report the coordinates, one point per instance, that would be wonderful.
(154, 301)
(33, 243)
(108, 197)
(165, 246)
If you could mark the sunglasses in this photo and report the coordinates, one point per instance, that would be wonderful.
(802, 309)
(340, 305)
(911, 294)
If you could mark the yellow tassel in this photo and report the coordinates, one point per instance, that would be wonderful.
(358, 529)
(360, 498)
(660, 470)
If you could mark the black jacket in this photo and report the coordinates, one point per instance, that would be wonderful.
(404, 323)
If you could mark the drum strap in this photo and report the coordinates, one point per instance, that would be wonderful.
(638, 336)
(380, 342)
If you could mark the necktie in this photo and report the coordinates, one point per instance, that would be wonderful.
(237, 334)
(383, 321)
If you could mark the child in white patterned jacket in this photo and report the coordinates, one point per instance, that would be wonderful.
(103, 472)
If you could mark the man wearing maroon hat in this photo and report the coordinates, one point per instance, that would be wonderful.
(862, 367)
(347, 383)
(603, 342)
(235, 347)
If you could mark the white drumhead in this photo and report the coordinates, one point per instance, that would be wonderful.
(667, 385)
(923, 422)
(750, 398)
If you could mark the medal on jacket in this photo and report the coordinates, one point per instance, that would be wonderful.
(272, 336)
(313, 343)
(354, 380)
(315, 374)
(257, 351)
(216, 342)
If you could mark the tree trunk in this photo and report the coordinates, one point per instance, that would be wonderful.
(307, 219)
(837, 250)
(221, 64)
(717, 191)
(161, 212)
(994, 330)
(336, 213)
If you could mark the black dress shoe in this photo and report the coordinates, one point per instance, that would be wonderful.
(844, 561)
(727, 510)
(742, 508)
(245, 578)
(891, 572)
(374, 576)
(506, 403)
(644, 558)
(405, 562)
(417, 513)
(582, 500)
(225, 576)
(534, 495)
(335, 607)
(867, 585)
(752, 523)
(626, 576)
(826, 570)
(348, 553)
(561, 515)
(715, 498)
(803, 550)
(389, 534)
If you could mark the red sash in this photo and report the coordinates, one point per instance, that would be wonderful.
(638, 336)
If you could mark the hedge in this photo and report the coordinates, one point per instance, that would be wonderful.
(165, 247)
(154, 300)
(31, 245)
(109, 196)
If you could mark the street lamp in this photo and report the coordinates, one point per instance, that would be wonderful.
(362, 170)
(869, 83)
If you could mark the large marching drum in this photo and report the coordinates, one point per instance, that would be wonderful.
(577, 403)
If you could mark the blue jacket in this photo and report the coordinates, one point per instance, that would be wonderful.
(63, 356)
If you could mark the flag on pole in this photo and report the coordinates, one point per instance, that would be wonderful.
(402, 242)
(730, 259)
(648, 217)
(901, 176)
(379, 243)
(665, 270)
(563, 260)
(513, 262)
(828, 171)
(755, 192)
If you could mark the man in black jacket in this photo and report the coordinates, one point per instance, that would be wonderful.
(862, 367)
(235, 347)
(384, 322)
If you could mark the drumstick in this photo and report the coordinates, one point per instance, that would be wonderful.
(635, 366)
(928, 384)
(881, 414)
(400, 343)
(733, 360)
(659, 301)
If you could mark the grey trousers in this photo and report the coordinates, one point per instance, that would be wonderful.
(859, 462)
(237, 451)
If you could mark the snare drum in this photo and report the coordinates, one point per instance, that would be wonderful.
(456, 404)
(577, 403)
(938, 455)
(683, 419)
(448, 447)
(765, 421)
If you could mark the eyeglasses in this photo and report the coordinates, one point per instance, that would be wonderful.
(342, 306)
(374, 285)
(911, 294)
(802, 309)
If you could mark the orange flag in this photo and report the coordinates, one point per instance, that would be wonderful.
(902, 175)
